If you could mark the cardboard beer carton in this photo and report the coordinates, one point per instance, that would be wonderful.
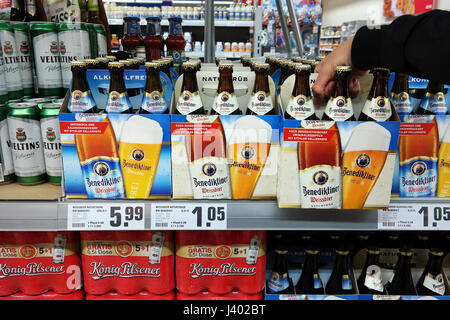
(359, 157)
(112, 155)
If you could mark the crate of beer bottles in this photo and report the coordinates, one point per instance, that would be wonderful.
(115, 131)
(338, 155)
(225, 140)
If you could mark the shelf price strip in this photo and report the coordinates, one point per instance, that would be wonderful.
(188, 216)
(106, 216)
(415, 216)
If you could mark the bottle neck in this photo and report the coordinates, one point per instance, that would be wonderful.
(116, 80)
(93, 5)
(79, 79)
(175, 29)
(225, 82)
(435, 265)
(153, 82)
(342, 84)
(341, 263)
(379, 85)
(404, 262)
(281, 263)
(400, 83)
(435, 87)
(132, 27)
(190, 80)
(261, 82)
(301, 84)
(311, 261)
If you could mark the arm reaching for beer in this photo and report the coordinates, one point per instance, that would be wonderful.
(415, 45)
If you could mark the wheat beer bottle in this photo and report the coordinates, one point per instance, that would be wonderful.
(118, 101)
(261, 102)
(378, 106)
(153, 100)
(370, 281)
(340, 282)
(280, 282)
(80, 96)
(189, 101)
(402, 283)
(300, 106)
(225, 102)
(339, 107)
(310, 282)
(284, 73)
(431, 282)
(434, 101)
(400, 99)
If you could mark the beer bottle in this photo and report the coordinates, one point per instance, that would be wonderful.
(434, 101)
(189, 101)
(339, 281)
(432, 282)
(283, 65)
(370, 281)
(153, 100)
(400, 94)
(245, 61)
(31, 13)
(80, 96)
(118, 101)
(225, 102)
(402, 283)
(280, 282)
(131, 65)
(310, 282)
(91, 63)
(273, 65)
(261, 102)
(102, 63)
(300, 106)
(16, 13)
(339, 107)
(93, 12)
(165, 67)
(377, 106)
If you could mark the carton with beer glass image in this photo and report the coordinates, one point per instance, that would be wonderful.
(224, 156)
(327, 164)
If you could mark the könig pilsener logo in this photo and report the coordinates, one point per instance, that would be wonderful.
(320, 177)
(363, 160)
(209, 169)
(138, 154)
(124, 249)
(223, 252)
(28, 252)
(101, 168)
(419, 168)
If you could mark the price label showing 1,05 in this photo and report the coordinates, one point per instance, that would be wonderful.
(187, 216)
(103, 216)
(415, 217)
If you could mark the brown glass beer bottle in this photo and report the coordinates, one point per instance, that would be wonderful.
(118, 100)
(339, 107)
(153, 100)
(261, 102)
(225, 102)
(189, 101)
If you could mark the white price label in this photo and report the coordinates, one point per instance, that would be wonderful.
(415, 216)
(105, 216)
(188, 216)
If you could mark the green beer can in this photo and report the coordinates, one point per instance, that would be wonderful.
(92, 39)
(58, 100)
(52, 141)
(44, 37)
(12, 68)
(39, 101)
(11, 102)
(5, 150)
(24, 53)
(102, 48)
(26, 143)
(74, 45)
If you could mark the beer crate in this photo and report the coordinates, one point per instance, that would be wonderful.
(360, 158)
(239, 153)
(134, 148)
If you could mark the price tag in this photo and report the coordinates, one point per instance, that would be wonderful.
(188, 216)
(415, 216)
(106, 216)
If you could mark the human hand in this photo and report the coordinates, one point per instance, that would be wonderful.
(326, 69)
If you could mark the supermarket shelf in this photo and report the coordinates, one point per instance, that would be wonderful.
(330, 37)
(196, 54)
(242, 215)
(193, 23)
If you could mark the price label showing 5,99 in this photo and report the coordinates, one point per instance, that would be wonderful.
(415, 217)
(187, 216)
(102, 216)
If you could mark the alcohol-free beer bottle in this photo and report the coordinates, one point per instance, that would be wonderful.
(80, 96)
(339, 107)
(280, 282)
(153, 100)
(434, 101)
(225, 102)
(300, 106)
(402, 283)
(339, 281)
(370, 281)
(189, 101)
(431, 282)
(273, 64)
(261, 102)
(310, 282)
(283, 65)
(118, 101)
(378, 107)
(400, 98)
(444, 166)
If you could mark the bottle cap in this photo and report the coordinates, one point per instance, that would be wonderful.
(381, 69)
(152, 64)
(260, 65)
(343, 68)
(102, 59)
(308, 61)
(126, 62)
(77, 63)
(115, 64)
(88, 61)
(111, 58)
(301, 67)
(281, 251)
(225, 65)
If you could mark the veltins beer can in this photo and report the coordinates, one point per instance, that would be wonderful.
(101, 40)
(73, 39)
(93, 40)
(46, 58)
(26, 143)
(39, 101)
(3, 85)
(11, 61)
(5, 150)
(52, 141)
(24, 54)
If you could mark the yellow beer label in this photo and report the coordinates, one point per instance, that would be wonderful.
(36, 250)
(123, 248)
(217, 252)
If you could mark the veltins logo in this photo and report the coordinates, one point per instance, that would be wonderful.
(124, 249)
(54, 47)
(21, 136)
(24, 49)
(50, 134)
(419, 168)
(363, 160)
(28, 252)
(223, 252)
(7, 47)
(62, 47)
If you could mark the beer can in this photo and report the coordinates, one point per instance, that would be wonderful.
(12, 69)
(24, 53)
(101, 40)
(3, 85)
(5, 150)
(46, 58)
(26, 143)
(51, 139)
(73, 40)
(58, 100)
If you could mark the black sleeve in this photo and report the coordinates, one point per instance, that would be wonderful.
(416, 45)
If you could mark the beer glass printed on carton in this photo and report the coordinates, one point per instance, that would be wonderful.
(418, 156)
(208, 167)
(362, 163)
(248, 149)
(139, 151)
(444, 166)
